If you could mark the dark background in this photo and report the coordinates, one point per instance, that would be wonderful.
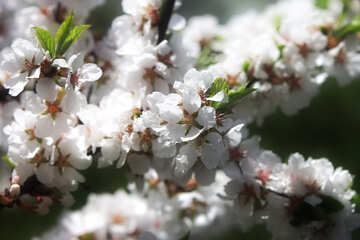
(329, 128)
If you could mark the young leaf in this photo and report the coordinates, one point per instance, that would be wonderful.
(218, 85)
(350, 28)
(63, 32)
(277, 22)
(235, 95)
(330, 205)
(74, 34)
(345, 10)
(46, 40)
(8, 161)
(245, 66)
(206, 58)
(281, 50)
(322, 4)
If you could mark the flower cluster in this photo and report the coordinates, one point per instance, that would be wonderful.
(169, 102)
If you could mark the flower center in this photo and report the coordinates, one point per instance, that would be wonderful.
(53, 108)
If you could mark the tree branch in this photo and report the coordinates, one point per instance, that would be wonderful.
(165, 16)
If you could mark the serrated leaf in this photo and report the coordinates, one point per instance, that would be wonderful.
(74, 35)
(46, 40)
(8, 161)
(235, 95)
(63, 32)
(350, 28)
(218, 85)
(322, 4)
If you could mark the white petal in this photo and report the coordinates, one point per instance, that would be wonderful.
(213, 150)
(219, 97)
(234, 136)
(45, 173)
(24, 48)
(44, 127)
(139, 164)
(46, 89)
(16, 84)
(207, 117)
(203, 175)
(72, 175)
(192, 134)
(177, 22)
(198, 80)
(110, 152)
(89, 73)
(35, 74)
(32, 102)
(60, 63)
(73, 101)
(9, 61)
(164, 149)
(185, 159)
(191, 100)
(76, 61)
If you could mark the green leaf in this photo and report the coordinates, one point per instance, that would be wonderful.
(206, 58)
(356, 200)
(322, 4)
(281, 50)
(235, 95)
(186, 237)
(350, 28)
(46, 40)
(74, 34)
(277, 22)
(344, 12)
(63, 32)
(218, 85)
(330, 205)
(305, 213)
(87, 236)
(246, 66)
(8, 161)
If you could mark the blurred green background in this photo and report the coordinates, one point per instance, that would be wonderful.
(328, 128)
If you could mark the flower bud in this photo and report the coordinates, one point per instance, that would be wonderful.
(15, 190)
